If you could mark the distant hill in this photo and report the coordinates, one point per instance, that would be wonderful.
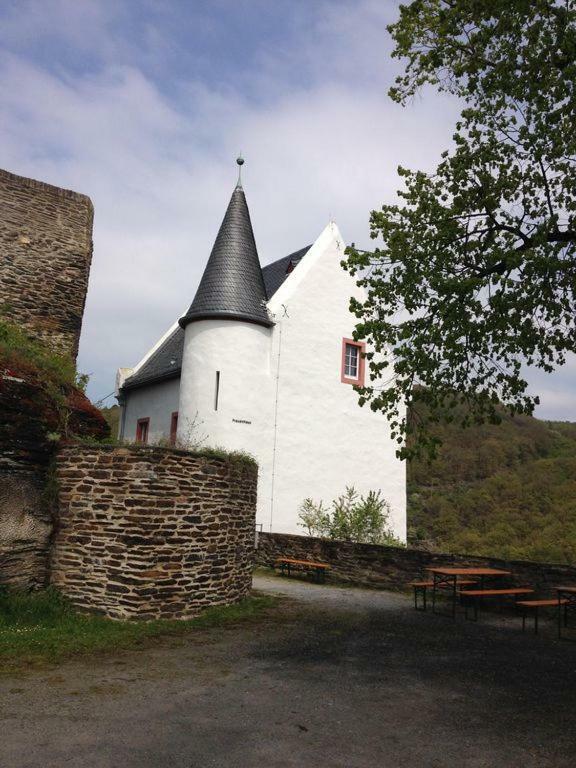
(112, 416)
(506, 490)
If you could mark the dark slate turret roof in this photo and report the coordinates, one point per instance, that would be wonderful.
(232, 285)
(166, 362)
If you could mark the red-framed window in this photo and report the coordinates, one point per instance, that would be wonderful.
(142, 428)
(353, 362)
(173, 427)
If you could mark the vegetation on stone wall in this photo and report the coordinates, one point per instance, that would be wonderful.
(112, 416)
(503, 491)
(45, 387)
(18, 350)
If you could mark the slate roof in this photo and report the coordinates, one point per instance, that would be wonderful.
(165, 363)
(274, 274)
(232, 285)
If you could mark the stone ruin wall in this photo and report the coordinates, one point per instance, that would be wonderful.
(151, 533)
(45, 256)
(28, 420)
(25, 519)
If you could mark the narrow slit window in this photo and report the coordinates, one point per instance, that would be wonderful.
(142, 429)
(173, 427)
(352, 371)
(217, 390)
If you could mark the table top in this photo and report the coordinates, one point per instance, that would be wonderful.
(570, 589)
(447, 571)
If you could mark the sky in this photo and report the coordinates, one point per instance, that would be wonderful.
(144, 105)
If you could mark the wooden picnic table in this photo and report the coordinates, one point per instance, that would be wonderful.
(447, 576)
(566, 602)
(287, 564)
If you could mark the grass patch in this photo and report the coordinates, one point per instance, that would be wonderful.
(42, 627)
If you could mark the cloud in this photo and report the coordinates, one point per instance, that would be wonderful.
(150, 127)
(557, 392)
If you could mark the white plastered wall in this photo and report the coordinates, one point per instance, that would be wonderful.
(156, 402)
(323, 439)
(240, 352)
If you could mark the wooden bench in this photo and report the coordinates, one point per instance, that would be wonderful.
(421, 588)
(534, 606)
(473, 594)
(288, 564)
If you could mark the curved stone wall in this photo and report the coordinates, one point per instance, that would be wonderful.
(152, 532)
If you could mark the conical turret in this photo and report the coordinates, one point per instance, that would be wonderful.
(232, 286)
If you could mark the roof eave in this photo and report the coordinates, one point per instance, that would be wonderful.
(152, 380)
(221, 315)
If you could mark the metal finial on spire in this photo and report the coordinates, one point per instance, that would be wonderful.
(240, 161)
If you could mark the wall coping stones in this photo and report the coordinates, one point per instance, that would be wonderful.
(25, 181)
(129, 449)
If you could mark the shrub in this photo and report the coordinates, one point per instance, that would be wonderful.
(363, 519)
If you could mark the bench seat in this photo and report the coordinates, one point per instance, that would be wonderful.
(480, 593)
(534, 606)
(496, 592)
(540, 603)
(421, 587)
(291, 561)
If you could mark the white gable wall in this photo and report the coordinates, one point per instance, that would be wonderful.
(324, 439)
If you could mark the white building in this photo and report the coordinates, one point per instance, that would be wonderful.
(264, 362)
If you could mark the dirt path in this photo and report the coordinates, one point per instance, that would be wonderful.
(341, 678)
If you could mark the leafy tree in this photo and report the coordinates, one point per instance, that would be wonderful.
(314, 518)
(475, 275)
(362, 519)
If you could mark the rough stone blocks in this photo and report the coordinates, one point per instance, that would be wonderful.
(152, 533)
(45, 256)
(393, 568)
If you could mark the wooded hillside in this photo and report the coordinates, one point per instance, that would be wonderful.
(506, 490)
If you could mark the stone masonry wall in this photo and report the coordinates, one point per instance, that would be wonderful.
(151, 532)
(25, 519)
(45, 256)
(28, 420)
(394, 568)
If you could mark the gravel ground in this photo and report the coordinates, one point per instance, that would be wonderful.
(334, 677)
